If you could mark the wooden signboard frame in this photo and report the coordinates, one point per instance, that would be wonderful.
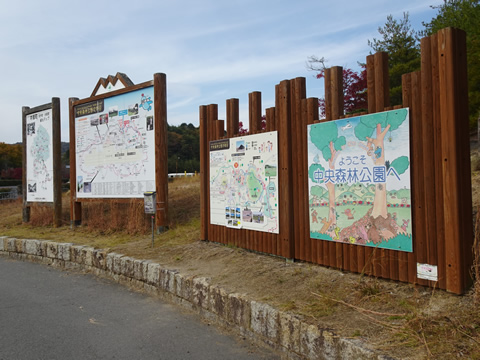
(54, 106)
(161, 150)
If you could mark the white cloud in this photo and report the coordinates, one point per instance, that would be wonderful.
(211, 50)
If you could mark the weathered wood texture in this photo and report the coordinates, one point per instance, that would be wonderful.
(161, 151)
(440, 168)
(56, 205)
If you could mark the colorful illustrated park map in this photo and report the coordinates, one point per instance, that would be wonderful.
(359, 180)
(115, 146)
(39, 156)
(244, 182)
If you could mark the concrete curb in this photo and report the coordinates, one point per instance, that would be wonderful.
(260, 322)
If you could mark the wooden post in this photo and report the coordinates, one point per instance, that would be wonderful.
(285, 173)
(204, 194)
(57, 163)
(428, 153)
(26, 206)
(161, 153)
(315, 246)
(232, 118)
(455, 154)
(255, 112)
(438, 160)
(419, 228)
(75, 206)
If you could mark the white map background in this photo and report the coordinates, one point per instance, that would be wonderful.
(115, 149)
(39, 164)
(244, 183)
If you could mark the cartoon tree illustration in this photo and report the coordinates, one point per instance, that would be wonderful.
(380, 124)
(326, 139)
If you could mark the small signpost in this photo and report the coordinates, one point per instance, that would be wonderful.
(150, 202)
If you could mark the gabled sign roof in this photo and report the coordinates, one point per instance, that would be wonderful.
(112, 83)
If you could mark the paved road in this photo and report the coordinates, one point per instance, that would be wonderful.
(47, 313)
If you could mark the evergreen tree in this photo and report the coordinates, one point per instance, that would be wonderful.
(465, 15)
(402, 44)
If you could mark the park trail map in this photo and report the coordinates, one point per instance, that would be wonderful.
(115, 146)
(39, 164)
(244, 182)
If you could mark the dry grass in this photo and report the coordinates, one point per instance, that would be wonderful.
(400, 320)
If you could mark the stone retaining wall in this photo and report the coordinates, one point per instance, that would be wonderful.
(260, 322)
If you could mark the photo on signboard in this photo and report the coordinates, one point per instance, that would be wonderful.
(103, 119)
(32, 187)
(79, 183)
(94, 121)
(31, 128)
(240, 146)
(87, 187)
(113, 111)
(133, 110)
(149, 123)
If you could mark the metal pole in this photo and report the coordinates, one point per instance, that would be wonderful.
(153, 226)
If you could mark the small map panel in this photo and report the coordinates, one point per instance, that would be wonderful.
(244, 182)
(39, 165)
(115, 146)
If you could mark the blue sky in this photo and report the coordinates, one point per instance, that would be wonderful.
(210, 50)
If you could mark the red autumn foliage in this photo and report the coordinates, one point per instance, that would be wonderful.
(354, 91)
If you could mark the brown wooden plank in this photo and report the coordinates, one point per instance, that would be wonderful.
(204, 194)
(360, 261)
(438, 160)
(393, 262)
(457, 197)
(380, 260)
(75, 206)
(403, 257)
(161, 149)
(285, 174)
(465, 185)
(57, 162)
(270, 118)
(428, 153)
(382, 82)
(352, 252)
(212, 115)
(418, 173)
(371, 84)
(255, 111)
(26, 207)
(220, 131)
(293, 128)
(299, 157)
(313, 245)
(366, 263)
(337, 111)
(328, 93)
(232, 117)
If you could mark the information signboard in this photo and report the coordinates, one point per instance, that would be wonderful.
(244, 182)
(359, 180)
(39, 156)
(115, 146)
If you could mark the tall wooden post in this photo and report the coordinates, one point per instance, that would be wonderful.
(456, 158)
(57, 163)
(75, 206)
(26, 206)
(204, 194)
(161, 153)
